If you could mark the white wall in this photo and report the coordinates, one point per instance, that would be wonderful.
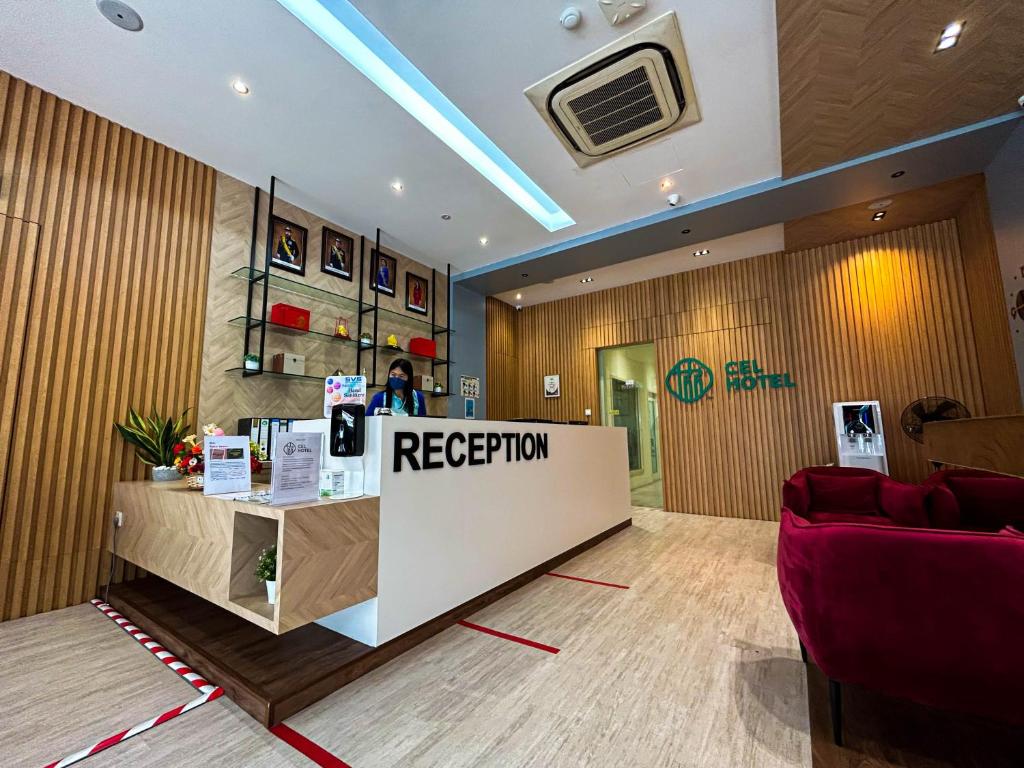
(1005, 178)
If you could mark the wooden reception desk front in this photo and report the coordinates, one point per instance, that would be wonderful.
(208, 545)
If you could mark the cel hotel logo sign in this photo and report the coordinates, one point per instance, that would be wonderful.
(690, 379)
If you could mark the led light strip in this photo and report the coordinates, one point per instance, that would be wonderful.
(341, 26)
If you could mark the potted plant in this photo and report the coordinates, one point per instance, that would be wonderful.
(365, 339)
(266, 571)
(251, 362)
(155, 440)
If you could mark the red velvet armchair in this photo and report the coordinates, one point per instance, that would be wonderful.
(852, 495)
(929, 615)
(973, 500)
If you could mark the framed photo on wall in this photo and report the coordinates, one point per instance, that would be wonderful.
(553, 385)
(383, 269)
(336, 253)
(417, 293)
(288, 246)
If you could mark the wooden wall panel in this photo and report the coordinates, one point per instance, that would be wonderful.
(858, 76)
(988, 317)
(502, 360)
(116, 307)
(887, 317)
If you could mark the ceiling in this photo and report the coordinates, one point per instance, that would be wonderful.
(857, 76)
(337, 142)
(731, 248)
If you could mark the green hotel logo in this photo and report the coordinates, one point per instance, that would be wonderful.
(689, 380)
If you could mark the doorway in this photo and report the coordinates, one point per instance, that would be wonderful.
(628, 385)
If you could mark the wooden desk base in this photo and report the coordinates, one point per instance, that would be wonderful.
(274, 676)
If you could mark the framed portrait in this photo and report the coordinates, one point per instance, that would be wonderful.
(417, 293)
(336, 256)
(553, 385)
(288, 246)
(383, 269)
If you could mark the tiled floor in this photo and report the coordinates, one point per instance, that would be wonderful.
(694, 665)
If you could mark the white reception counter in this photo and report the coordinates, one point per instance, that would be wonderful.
(465, 506)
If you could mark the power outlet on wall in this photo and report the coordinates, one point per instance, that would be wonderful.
(586, 412)
(118, 519)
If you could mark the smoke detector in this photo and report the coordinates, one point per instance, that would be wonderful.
(626, 93)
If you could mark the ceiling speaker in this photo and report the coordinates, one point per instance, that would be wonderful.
(120, 14)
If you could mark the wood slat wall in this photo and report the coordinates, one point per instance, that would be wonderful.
(104, 290)
(887, 317)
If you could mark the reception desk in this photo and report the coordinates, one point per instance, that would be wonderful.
(454, 515)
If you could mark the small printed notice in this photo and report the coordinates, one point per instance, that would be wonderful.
(295, 473)
(227, 468)
(343, 390)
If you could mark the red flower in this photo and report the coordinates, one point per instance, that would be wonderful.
(179, 448)
(197, 449)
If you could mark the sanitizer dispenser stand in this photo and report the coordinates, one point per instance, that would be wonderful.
(860, 438)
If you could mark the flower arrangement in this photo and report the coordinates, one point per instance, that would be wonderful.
(266, 564)
(189, 452)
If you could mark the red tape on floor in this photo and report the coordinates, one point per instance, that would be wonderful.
(506, 636)
(313, 751)
(587, 581)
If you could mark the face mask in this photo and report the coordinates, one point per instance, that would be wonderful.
(396, 383)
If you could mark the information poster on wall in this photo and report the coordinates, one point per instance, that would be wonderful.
(469, 386)
(226, 465)
(295, 473)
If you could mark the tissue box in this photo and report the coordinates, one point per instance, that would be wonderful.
(286, 362)
(424, 347)
(291, 316)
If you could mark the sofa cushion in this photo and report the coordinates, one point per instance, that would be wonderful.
(904, 503)
(943, 508)
(840, 516)
(844, 494)
(988, 503)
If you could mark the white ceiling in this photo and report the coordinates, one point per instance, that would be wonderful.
(338, 142)
(732, 248)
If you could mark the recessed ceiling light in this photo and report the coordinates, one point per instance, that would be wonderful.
(878, 216)
(950, 36)
(519, 296)
(483, 241)
(525, 274)
(339, 24)
(587, 280)
(397, 186)
(880, 204)
(446, 217)
(685, 232)
(896, 174)
(701, 252)
(239, 87)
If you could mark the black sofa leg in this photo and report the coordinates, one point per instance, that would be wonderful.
(835, 705)
(803, 651)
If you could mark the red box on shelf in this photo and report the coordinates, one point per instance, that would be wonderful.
(293, 317)
(424, 347)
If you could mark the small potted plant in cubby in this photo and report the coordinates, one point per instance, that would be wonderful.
(252, 362)
(266, 571)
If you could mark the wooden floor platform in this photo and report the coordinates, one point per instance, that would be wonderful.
(274, 676)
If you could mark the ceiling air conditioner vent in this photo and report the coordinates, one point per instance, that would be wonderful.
(624, 94)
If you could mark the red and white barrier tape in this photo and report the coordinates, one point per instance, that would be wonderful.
(154, 647)
(208, 691)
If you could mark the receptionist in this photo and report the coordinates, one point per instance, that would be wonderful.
(398, 395)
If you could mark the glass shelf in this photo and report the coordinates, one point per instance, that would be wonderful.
(413, 355)
(344, 302)
(318, 379)
(287, 330)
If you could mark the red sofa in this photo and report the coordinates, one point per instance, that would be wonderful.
(924, 614)
(852, 495)
(973, 500)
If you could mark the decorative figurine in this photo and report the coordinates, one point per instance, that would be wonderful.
(341, 329)
(393, 342)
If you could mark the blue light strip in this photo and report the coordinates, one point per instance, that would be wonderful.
(347, 31)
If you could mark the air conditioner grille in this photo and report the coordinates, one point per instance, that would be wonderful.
(618, 107)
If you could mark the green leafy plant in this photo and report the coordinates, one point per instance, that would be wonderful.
(266, 564)
(154, 438)
(251, 358)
